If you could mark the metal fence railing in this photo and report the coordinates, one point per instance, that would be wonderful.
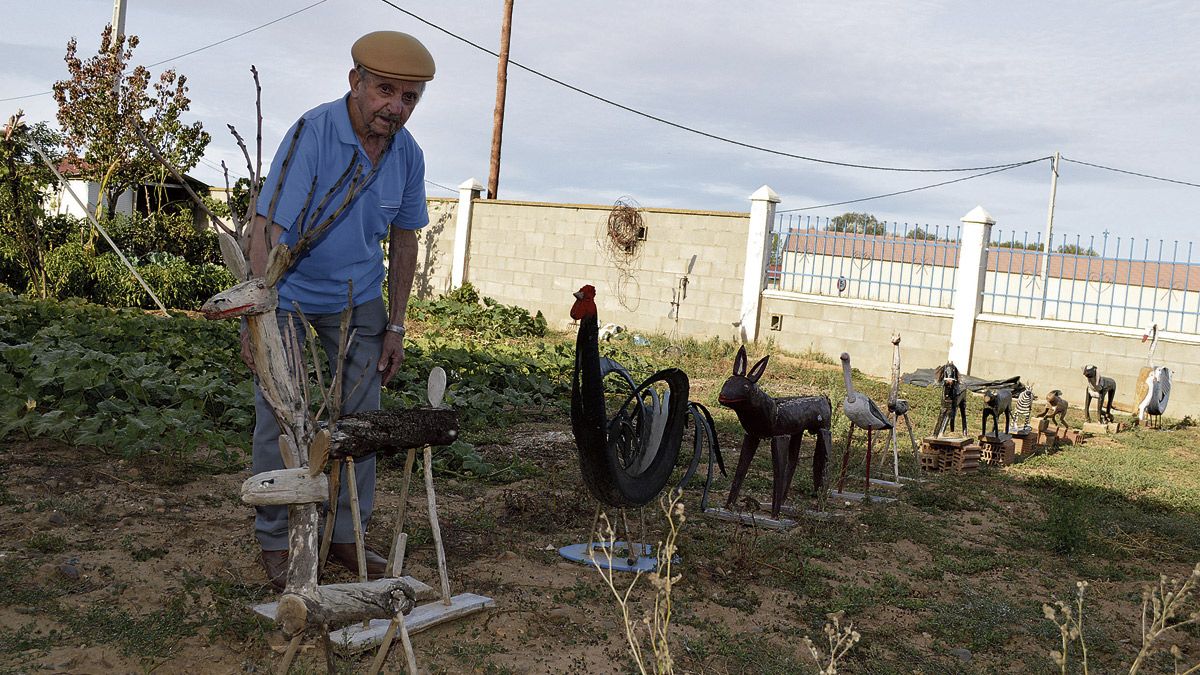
(1111, 281)
(887, 262)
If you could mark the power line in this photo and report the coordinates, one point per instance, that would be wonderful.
(916, 189)
(1131, 173)
(440, 185)
(693, 130)
(194, 51)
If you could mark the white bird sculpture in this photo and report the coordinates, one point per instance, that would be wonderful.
(862, 412)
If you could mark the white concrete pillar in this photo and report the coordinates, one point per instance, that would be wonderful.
(758, 240)
(468, 192)
(968, 284)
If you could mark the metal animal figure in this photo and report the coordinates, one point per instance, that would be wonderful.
(1056, 407)
(1023, 406)
(1103, 389)
(996, 401)
(954, 398)
(783, 420)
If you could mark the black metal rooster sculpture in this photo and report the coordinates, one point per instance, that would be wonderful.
(627, 458)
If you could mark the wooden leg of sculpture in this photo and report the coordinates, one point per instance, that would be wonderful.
(912, 438)
(592, 532)
(436, 528)
(410, 658)
(356, 515)
(335, 478)
(327, 646)
(396, 557)
(867, 474)
(286, 664)
(846, 457)
(895, 446)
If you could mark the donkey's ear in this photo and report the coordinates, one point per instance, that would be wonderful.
(757, 371)
(739, 361)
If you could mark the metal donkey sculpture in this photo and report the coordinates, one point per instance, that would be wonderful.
(783, 420)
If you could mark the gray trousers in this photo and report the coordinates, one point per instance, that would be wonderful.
(360, 391)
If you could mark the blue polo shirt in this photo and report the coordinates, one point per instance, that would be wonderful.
(350, 249)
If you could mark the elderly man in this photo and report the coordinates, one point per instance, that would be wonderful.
(364, 127)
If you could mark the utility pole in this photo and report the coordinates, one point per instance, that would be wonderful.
(501, 87)
(118, 32)
(1049, 231)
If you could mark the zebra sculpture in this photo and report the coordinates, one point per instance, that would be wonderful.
(1023, 408)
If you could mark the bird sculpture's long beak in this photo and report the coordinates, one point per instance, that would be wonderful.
(578, 295)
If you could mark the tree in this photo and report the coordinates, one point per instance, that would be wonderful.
(862, 223)
(920, 233)
(24, 178)
(1076, 249)
(101, 129)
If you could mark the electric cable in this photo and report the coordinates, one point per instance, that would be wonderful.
(723, 139)
(1131, 173)
(440, 186)
(916, 189)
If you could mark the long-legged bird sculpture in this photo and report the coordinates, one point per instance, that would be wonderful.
(863, 413)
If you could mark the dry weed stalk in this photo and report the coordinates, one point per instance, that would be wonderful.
(657, 622)
(841, 639)
(1164, 608)
(1070, 627)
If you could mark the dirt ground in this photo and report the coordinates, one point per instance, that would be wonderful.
(109, 571)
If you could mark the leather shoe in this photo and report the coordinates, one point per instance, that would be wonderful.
(346, 556)
(275, 564)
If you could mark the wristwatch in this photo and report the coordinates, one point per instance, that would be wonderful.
(396, 328)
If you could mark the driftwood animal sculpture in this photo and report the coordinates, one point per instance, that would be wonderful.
(954, 399)
(898, 407)
(1158, 392)
(627, 458)
(1154, 383)
(995, 402)
(1056, 407)
(784, 420)
(863, 413)
(1103, 389)
(1023, 406)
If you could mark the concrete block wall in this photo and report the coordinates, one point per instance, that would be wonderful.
(435, 244)
(536, 255)
(863, 329)
(1051, 355)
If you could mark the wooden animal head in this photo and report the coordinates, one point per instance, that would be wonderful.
(947, 373)
(740, 391)
(1089, 372)
(253, 296)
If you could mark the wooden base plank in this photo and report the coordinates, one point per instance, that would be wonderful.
(355, 638)
(750, 519)
(858, 497)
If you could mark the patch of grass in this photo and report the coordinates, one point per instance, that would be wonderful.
(977, 620)
(17, 590)
(25, 638)
(46, 542)
(1066, 525)
(149, 636)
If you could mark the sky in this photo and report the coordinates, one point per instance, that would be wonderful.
(919, 84)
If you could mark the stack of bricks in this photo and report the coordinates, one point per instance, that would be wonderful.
(1024, 441)
(997, 453)
(949, 455)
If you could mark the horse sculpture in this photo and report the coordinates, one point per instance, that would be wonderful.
(954, 399)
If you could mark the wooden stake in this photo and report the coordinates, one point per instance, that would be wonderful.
(396, 557)
(435, 527)
(410, 658)
(355, 515)
(335, 479)
(286, 664)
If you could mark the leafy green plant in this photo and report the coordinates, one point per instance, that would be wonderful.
(1067, 524)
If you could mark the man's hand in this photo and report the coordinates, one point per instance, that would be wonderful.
(392, 355)
(247, 355)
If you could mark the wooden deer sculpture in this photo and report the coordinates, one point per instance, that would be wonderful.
(783, 420)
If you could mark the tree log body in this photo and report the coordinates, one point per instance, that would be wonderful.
(389, 431)
(344, 604)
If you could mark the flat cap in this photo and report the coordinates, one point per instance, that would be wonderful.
(389, 53)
